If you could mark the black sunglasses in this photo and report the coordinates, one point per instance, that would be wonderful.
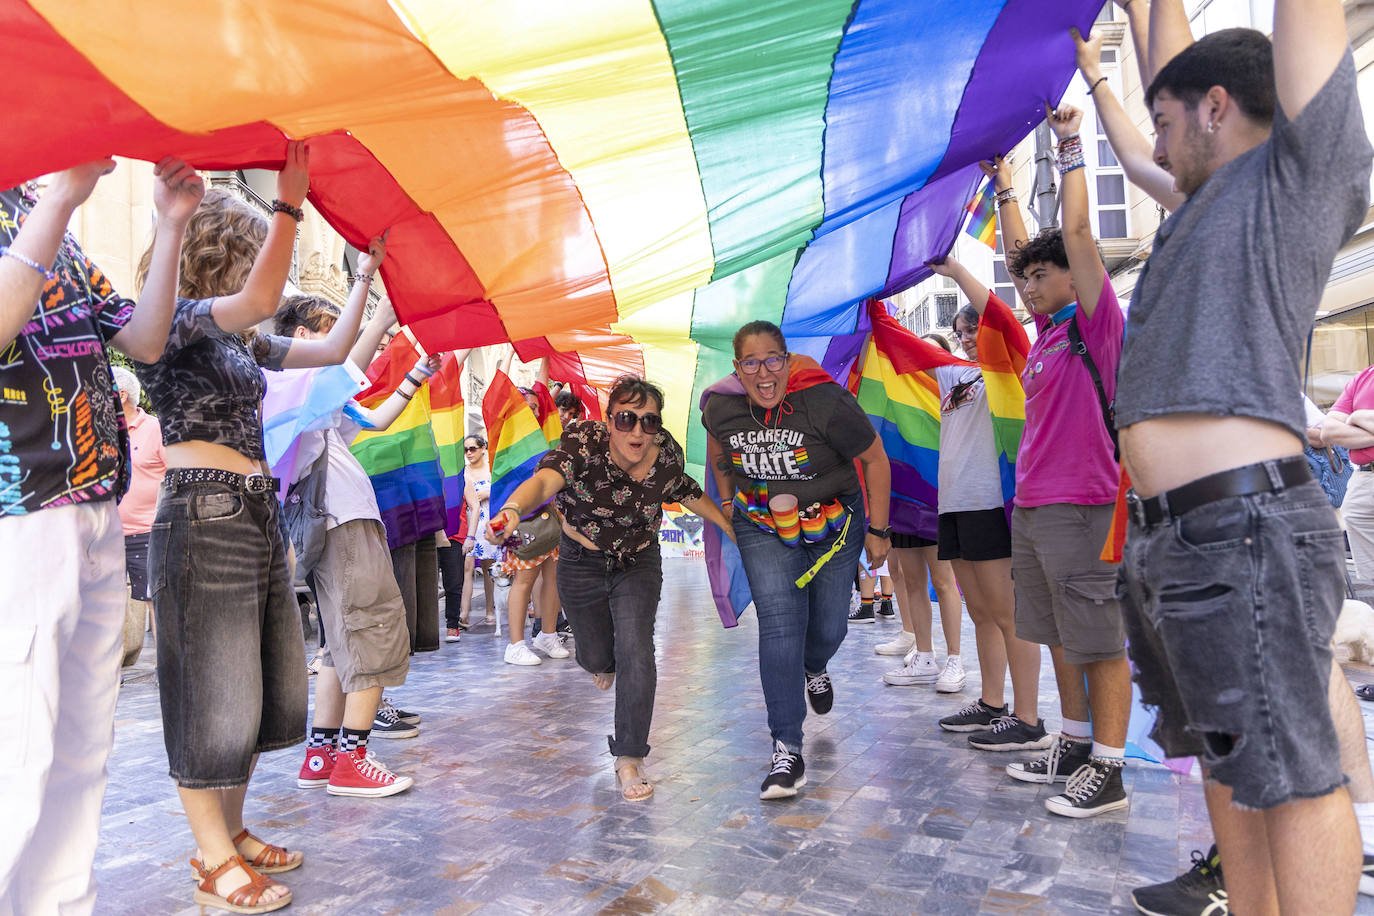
(472, 448)
(649, 422)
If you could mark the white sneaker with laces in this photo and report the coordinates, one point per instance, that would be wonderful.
(550, 645)
(901, 645)
(951, 679)
(917, 671)
(520, 654)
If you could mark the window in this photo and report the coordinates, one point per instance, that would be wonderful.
(1107, 13)
(1111, 206)
(946, 304)
(999, 272)
(1109, 55)
(948, 283)
(1105, 157)
(1007, 294)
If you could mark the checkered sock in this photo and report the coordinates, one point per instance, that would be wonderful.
(324, 737)
(351, 739)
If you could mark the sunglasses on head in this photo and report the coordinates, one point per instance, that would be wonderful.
(625, 421)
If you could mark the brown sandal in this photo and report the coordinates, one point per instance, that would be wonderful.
(242, 899)
(272, 860)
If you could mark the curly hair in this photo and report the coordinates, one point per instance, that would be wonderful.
(1045, 248)
(222, 240)
(310, 312)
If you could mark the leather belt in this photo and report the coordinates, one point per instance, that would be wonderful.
(1265, 477)
(1365, 467)
(250, 483)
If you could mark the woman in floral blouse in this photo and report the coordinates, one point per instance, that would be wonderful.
(610, 480)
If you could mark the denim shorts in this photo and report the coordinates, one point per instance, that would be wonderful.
(230, 651)
(1230, 609)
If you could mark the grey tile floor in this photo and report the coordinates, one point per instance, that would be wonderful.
(515, 809)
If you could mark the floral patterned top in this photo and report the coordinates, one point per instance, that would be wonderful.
(617, 513)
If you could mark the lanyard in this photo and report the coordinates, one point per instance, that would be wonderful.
(810, 574)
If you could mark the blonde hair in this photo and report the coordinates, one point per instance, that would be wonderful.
(222, 240)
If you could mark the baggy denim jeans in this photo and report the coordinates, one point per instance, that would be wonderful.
(230, 648)
(612, 609)
(800, 629)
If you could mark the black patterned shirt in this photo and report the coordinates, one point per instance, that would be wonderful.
(62, 435)
(617, 513)
(208, 385)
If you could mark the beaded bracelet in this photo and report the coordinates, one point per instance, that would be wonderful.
(364, 278)
(281, 206)
(1005, 197)
(1070, 154)
(27, 262)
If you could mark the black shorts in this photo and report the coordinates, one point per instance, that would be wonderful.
(906, 541)
(979, 535)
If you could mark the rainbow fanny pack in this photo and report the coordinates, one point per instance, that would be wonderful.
(793, 525)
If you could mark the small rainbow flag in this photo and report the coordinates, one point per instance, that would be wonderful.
(982, 225)
(1002, 349)
(402, 461)
(515, 440)
(447, 422)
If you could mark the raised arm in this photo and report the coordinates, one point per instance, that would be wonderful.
(1169, 34)
(1138, 18)
(365, 347)
(177, 193)
(1085, 264)
(261, 294)
(1009, 218)
(1309, 42)
(1132, 148)
(384, 414)
(336, 346)
(21, 283)
(976, 292)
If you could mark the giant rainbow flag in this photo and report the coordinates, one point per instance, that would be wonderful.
(628, 180)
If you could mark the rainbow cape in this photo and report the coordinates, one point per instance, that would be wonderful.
(402, 461)
(982, 225)
(724, 568)
(448, 425)
(515, 442)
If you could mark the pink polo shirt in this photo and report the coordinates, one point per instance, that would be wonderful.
(139, 505)
(1066, 452)
(1358, 395)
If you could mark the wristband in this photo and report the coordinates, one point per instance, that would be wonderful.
(404, 395)
(281, 206)
(1070, 155)
(417, 382)
(511, 506)
(423, 369)
(1006, 197)
(27, 262)
(364, 278)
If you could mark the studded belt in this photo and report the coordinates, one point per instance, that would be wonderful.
(250, 483)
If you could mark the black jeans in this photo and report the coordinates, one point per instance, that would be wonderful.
(454, 573)
(612, 608)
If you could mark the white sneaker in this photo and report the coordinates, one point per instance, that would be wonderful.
(899, 646)
(550, 645)
(918, 671)
(952, 678)
(520, 654)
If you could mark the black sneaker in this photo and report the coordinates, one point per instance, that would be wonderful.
(1063, 759)
(1094, 788)
(885, 608)
(975, 717)
(562, 626)
(820, 693)
(1196, 892)
(409, 718)
(388, 724)
(862, 614)
(787, 775)
(1009, 733)
(1366, 877)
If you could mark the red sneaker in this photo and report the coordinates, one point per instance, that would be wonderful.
(318, 765)
(360, 774)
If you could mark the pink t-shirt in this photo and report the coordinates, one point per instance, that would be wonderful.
(139, 505)
(1066, 452)
(1358, 395)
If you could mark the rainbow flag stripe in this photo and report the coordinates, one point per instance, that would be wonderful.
(661, 170)
(1002, 349)
(515, 442)
(403, 464)
(448, 425)
(982, 224)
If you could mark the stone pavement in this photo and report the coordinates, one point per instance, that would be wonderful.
(515, 808)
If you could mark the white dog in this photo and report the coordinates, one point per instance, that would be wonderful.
(1355, 630)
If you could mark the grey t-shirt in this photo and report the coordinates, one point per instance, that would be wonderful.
(1219, 320)
(970, 479)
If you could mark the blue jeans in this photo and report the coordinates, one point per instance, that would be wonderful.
(800, 629)
(611, 609)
